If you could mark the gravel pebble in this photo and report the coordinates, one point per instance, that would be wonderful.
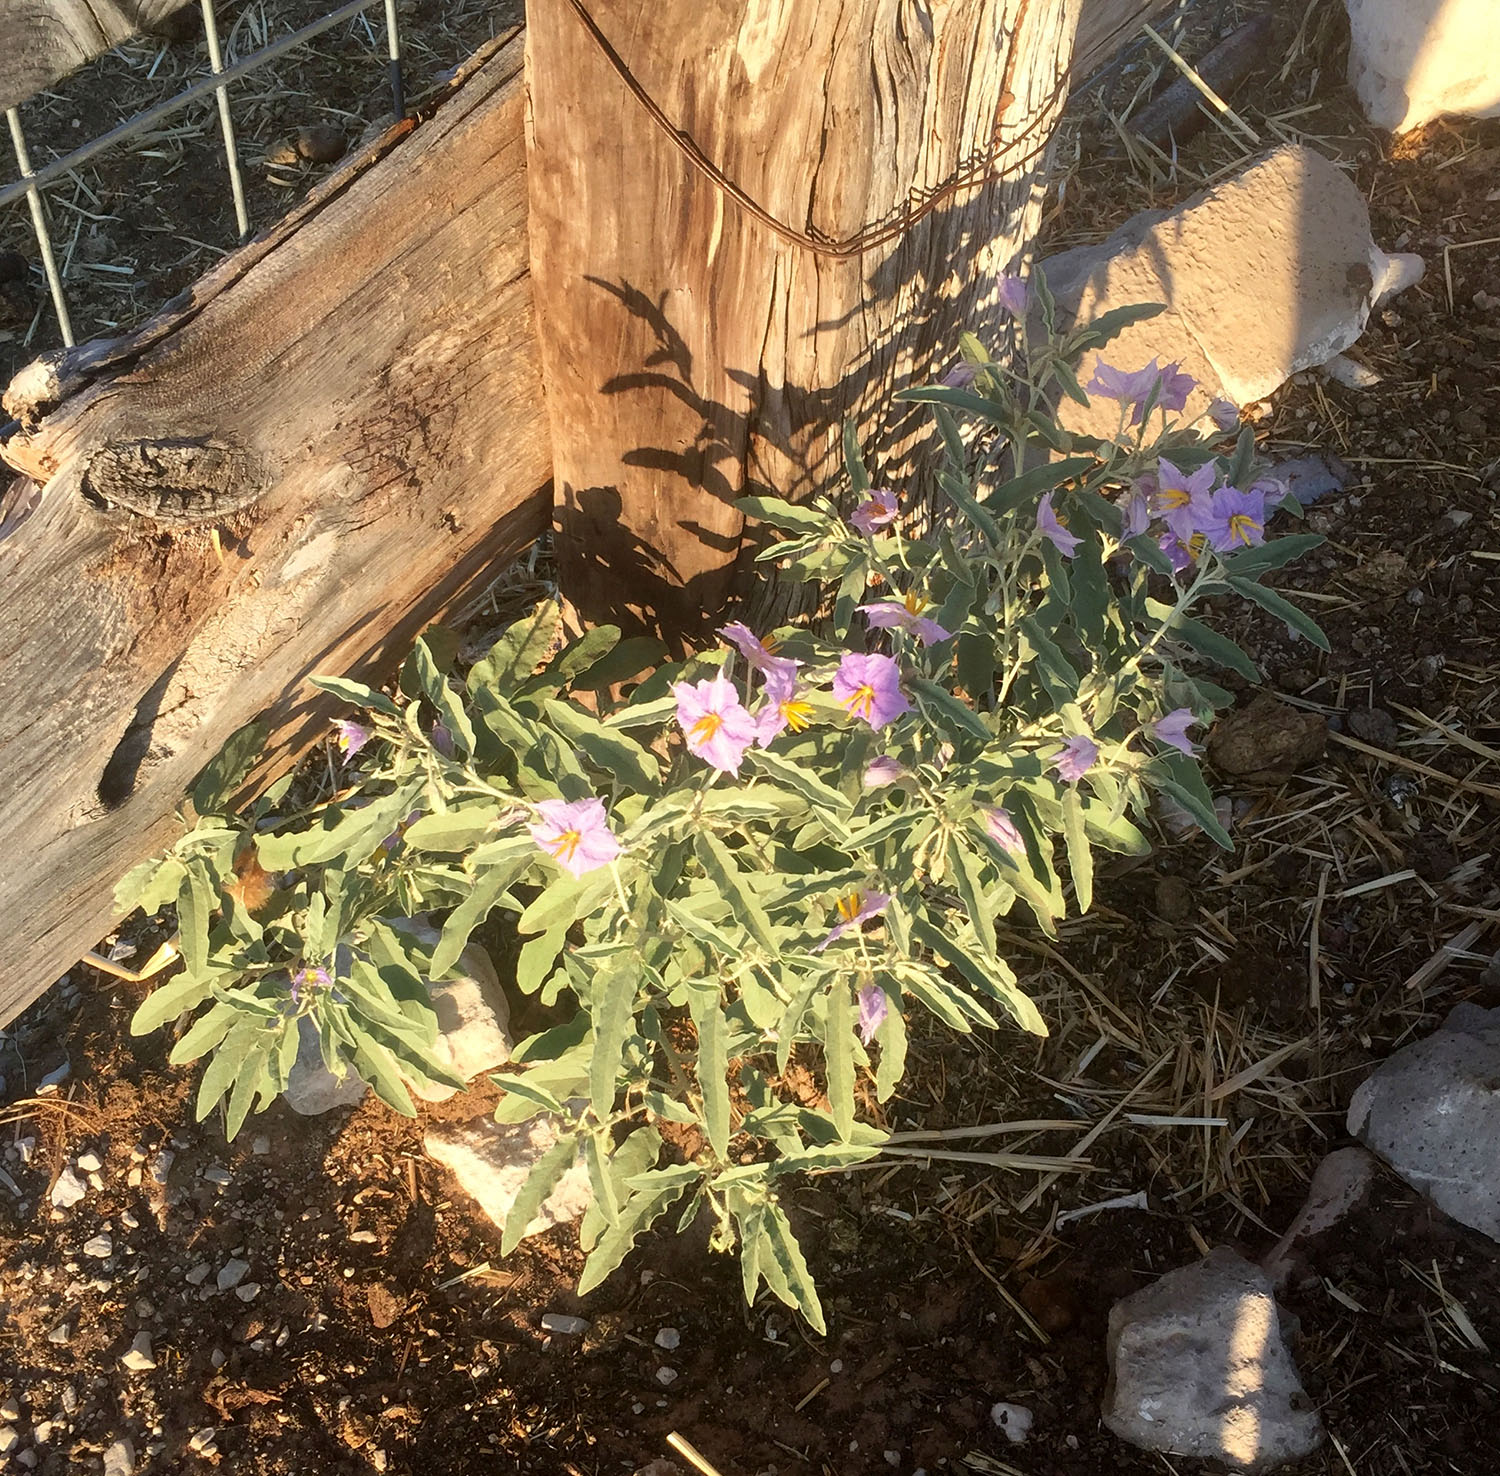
(560, 1322)
(668, 1338)
(99, 1247)
(68, 1190)
(90, 1162)
(231, 1273)
(139, 1357)
(119, 1459)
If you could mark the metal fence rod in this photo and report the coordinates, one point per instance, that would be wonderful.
(393, 51)
(141, 122)
(30, 187)
(231, 149)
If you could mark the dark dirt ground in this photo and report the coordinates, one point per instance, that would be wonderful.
(1254, 989)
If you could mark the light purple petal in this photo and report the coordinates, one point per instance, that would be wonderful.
(882, 771)
(875, 512)
(1002, 830)
(1051, 526)
(576, 834)
(352, 736)
(1014, 296)
(1233, 519)
(869, 687)
(1076, 758)
(872, 1012)
(1172, 729)
(1224, 415)
(717, 726)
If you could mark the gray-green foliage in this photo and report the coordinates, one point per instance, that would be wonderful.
(682, 978)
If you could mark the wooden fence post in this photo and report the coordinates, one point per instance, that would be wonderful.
(750, 221)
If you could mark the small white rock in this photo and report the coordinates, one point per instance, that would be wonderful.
(261, 1146)
(560, 1322)
(9, 1440)
(218, 1175)
(202, 1439)
(668, 1338)
(218, 1358)
(666, 1375)
(129, 1220)
(68, 1190)
(90, 1162)
(199, 1274)
(10, 1410)
(1014, 1419)
(139, 1357)
(248, 1291)
(119, 1459)
(231, 1273)
(43, 1433)
(161, 1166)
(100, 1247)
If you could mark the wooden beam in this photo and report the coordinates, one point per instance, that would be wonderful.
(352, 406)
(1104, 26)
(42, 40)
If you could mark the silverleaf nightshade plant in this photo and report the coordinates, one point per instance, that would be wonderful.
(779, 849)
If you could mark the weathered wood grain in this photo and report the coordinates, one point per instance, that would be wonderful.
(692, 352)
(42, 40)
(354, 407)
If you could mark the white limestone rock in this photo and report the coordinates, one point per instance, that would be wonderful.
(1267, 273)
(312, 1089)
(492, 1161)
(1199, 1367)
(1432, 1111)
(1411, 61)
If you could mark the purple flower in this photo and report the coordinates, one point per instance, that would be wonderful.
(717, 726)
(398, 835)
(1014, 296)
(1136, 508)
(960, 376)
(1181, 499)
(1224, 415)
(853, 910)
(761, 655)
(869, 687)
(1055, 529)
(875, 512)
(1234, 519)
(1075, 758)
(784, 708)
(1175, 389)
(905, 615)
(305, 979)
(352, 736)
(442, 740)
(1002, 830)
(1170, 386)
(882, 771)
(1172, 729)
(872, 1012)
(576, 834)
(1176, 551)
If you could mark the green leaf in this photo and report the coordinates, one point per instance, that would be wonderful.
(801, 780)
(195, 908)
(631, 657)
(613, 1012)
(452, 830)
(1181, 778)
(356, 694)
(1217, 648)
(226, 771)
(518, 653)
(1022, 491)
(205, 1033)
(951, 713)
(1283, 609)
(538, 955)
(854, 463)
(140, 883)
(352, 833)
(1275, 554)
(956, 399)
(1080, 857)
(724, 872)
(229, 1059)
(540, 1183)
(640, 1213)
(434, 686)
(488, 888)
(1243, 459)
(608, 749)
(839, 1056)
(165, 1004)
(794, 1276)
(1101, 330)
(783, 514)
(971, 889)
(713, 1066)
(892, 1040)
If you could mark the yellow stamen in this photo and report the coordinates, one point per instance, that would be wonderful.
(915, 604)
(705, 728)
(770, 645)
(1242, 528)
(566, 845)
(861, 702)
(798, 714)
(1175, 497)
(849, 907)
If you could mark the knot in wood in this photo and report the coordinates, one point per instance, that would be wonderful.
(174, 481)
